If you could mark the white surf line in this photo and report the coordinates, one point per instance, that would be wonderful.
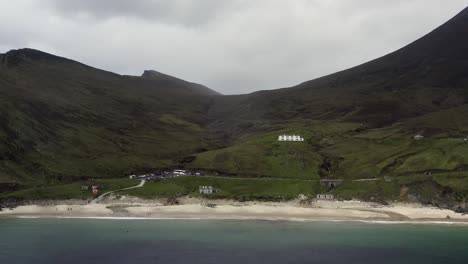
(100, 197)
(249, 218)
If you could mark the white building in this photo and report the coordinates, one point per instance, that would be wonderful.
(206, 189)
(293, 138)
(180, 172)
(325, 197)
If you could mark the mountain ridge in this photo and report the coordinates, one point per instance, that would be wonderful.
(427, 75)
(15, 57)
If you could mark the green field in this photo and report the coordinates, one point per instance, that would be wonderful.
(262, 155)
(381, 190)
(281, 170)
(349, 153)
(239, 189)
(67, 191)
(377, 191)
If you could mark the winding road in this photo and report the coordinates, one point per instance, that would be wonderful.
(100, 197)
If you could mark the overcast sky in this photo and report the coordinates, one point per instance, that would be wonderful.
(232, 46)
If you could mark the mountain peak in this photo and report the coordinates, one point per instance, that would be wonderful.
(18, 56)
(32, 54)
(153, 74)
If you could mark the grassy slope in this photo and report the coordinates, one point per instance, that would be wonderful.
(62, 121)
(240, 189)
(358, 155)
(353, 154)
(67, 191)
(262, 155)
(367, 154)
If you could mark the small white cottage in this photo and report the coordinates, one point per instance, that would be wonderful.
(325, 197)
(206, 189)
(291, 138)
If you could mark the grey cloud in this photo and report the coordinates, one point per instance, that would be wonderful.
(185, 12)
(233, 46)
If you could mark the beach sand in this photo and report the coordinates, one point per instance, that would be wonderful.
(191, 208)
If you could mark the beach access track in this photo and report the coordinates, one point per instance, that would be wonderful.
(100, 197)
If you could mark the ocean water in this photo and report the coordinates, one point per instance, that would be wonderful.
(100, 241)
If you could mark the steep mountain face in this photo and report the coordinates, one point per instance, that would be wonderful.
(425, 76)
(65, 119)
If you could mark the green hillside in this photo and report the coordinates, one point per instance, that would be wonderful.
(61, 120)
(263, 156)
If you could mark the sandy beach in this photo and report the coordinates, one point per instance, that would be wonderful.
(191, 208)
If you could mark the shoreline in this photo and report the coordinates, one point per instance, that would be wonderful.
(311, 220)
(129, 208)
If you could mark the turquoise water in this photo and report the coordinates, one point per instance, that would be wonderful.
(194, 241)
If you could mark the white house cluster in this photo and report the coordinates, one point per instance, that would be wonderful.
(290, 138)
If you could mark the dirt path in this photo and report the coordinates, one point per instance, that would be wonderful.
(98, 199)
